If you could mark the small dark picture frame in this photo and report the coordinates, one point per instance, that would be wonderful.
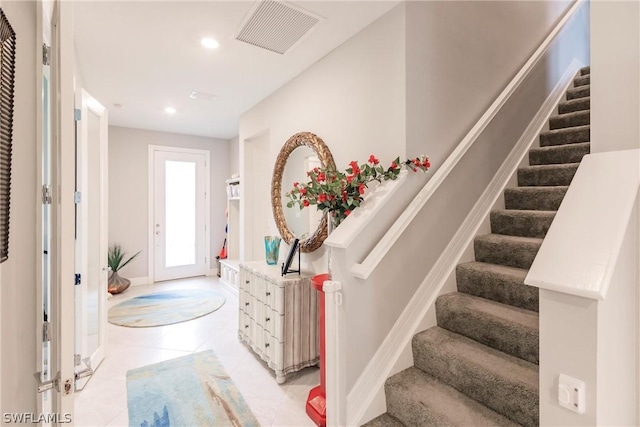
(7, 83)
(287, 264)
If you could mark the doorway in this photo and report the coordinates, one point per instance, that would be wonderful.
(178, 213)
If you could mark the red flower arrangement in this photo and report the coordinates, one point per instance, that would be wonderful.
(341, 192)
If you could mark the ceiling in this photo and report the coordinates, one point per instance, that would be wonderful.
(146, 56)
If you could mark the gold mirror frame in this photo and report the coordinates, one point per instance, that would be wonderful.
(306, 139)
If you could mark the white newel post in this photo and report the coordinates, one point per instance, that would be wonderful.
(335, 357)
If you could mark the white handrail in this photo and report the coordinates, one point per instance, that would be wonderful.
(580, 250)
(364, 269)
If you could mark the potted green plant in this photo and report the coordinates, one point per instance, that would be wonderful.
(115, 257)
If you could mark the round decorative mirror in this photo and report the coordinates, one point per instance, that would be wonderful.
(301, 153)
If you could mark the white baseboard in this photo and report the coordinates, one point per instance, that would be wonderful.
(228, 286)
(136, 281)
(371, 383)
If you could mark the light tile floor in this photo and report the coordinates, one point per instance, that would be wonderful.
(103, 401)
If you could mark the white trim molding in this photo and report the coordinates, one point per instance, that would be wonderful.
(364, 269)
(372, 380)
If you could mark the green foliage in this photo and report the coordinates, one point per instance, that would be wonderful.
(115, 257)
(340, 193)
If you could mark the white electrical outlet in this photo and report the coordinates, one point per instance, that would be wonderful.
(571, 393)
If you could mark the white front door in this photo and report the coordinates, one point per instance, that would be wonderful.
(91, 234)
(180, 213)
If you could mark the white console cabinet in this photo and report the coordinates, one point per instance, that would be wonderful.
(278, 317)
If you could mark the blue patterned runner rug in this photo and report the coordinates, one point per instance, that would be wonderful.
(193, 390)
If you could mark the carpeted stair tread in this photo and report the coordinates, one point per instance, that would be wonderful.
(504, 383)
(525, 223)
(575, 118)
(579, 92)
(570, 135)
(512, 251)
(497, 283)
(557, 154)
(585, 70)
(384, 420)
(582, 80)
(534, 198)
(509, 329)
(547, 175)
(577, 104)
(418, 399)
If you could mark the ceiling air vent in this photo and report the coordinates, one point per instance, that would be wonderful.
(276, 26)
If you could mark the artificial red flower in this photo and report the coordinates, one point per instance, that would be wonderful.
(321, 176)
(361, 189)
(417, 162)
(394, 165)
(303, 191)
(295, 184)
(344, 196)
(305, 203)
(355, 167)
(322, 197)
(350, 178)
(373, 160)
(347, 212)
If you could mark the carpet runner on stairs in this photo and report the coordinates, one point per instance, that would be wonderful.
(479, 366)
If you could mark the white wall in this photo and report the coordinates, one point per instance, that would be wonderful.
(354, 99)
(128, 189)
(18, 291)
(234, 156)
(460, 56)
(615, 60)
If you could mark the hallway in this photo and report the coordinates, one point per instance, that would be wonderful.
(103, 402)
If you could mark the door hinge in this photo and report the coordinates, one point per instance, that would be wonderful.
(77, 197)
(45, 332)
(77, 115)
(78, 279)
(46, 54)
(46, 194)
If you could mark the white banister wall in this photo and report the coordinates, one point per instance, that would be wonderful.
(587, 272)
(370, 308)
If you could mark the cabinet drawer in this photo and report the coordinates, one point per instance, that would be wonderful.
(244, 325)
(268, 320)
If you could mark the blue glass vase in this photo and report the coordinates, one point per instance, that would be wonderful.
(272, 249)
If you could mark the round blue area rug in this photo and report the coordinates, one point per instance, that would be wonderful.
(165, 308)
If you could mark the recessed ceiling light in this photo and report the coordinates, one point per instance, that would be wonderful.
(170, 110)
(209, 43)
(118, 106)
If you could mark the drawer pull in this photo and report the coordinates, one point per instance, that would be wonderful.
(266, 345)
(268, 293)
(267, 319)
(246, 303)
(246, 326)
(247, 282)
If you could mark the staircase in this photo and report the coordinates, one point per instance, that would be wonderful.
(479, 365)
